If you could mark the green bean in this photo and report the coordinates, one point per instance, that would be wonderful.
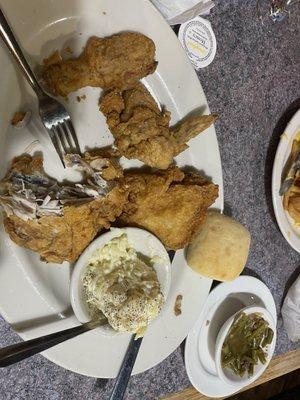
(255, 356)
(248, 359)
(227, 361)
(250, 369)
(261, 356)
(268, 337)
(244, 343)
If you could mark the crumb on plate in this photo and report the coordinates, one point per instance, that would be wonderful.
(69, 50)
(18, 117)
(177, 306)
(79, 98)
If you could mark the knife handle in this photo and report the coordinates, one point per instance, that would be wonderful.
(17, 352)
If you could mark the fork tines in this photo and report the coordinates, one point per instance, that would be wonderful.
(64, 138)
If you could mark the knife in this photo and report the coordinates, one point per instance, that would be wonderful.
(19, 351)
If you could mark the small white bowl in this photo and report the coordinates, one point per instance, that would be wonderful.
(226, 374)
(143, 242)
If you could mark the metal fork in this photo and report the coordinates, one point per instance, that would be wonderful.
(53, 114)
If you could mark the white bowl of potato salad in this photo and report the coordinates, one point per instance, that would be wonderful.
(124, 274)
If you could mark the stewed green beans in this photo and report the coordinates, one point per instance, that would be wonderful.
(245, 344)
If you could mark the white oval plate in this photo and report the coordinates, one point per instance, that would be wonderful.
(200, 344)
(34, 296)
(290, 232)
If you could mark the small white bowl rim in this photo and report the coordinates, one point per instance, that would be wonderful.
(78, 304)
(222, 335)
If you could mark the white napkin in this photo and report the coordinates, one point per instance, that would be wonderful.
(291, 311)
(180, 11)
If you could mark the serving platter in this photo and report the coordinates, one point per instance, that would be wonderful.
(290, 231)
(34, 296)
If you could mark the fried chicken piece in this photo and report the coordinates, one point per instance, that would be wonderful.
(190, 127)
(60, 237)
(172, 205)
(106, 161)
(27, 165)
(63, 238)
(102, 161)
(141, 130)
(118, 61)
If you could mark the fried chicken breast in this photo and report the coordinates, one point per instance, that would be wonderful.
(141, 130)
(58, 222)
(118, 61)
(170, 204)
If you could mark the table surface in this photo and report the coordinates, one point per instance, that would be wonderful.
(253, 85)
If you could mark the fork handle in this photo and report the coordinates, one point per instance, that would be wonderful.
(14, 48)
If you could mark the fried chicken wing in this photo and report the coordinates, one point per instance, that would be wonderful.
(141, 130)
(118, 61)
(172, 205)
(55, 221)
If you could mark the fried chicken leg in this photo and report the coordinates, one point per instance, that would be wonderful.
(172, 205)
(118, 61)
(141, 130)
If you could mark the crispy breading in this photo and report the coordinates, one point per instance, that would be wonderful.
(105, 160)
(190, 127)
(118, 61)
(141, 130)
(27, 165)
(172, 205)
(63, 238)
